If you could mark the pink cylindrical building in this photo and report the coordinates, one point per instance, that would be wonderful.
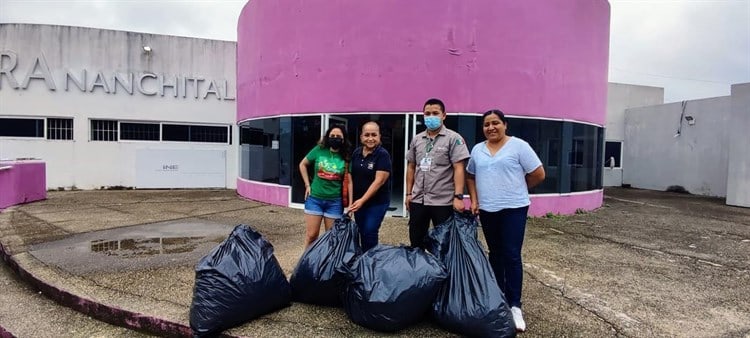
(302, 65)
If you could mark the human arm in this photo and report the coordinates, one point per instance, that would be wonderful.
(381, 177)
(535, 177)
(303, 173)
(531, 165)
(471, 184)
(459, 181)
(411, 167)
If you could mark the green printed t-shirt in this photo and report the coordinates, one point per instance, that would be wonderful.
(328, 169)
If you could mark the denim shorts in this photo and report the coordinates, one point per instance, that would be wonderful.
(327, 208)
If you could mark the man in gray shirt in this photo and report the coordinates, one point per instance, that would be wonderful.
(435, 174)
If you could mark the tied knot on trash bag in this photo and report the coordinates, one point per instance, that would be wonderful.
(389, 288)
(316, 279)
(470, 302)
(239, 280)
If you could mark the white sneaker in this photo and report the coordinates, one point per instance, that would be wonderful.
(518, 319)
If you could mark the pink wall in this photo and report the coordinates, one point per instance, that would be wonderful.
(533, 58)
(272, 194)
(22, 182)
(565, 204)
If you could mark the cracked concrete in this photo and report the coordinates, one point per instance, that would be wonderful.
(647, 264)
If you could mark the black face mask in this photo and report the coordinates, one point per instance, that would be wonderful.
(335, 143)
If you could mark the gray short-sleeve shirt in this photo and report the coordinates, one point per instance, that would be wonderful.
(434, 159)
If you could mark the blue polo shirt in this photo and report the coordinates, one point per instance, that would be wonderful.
(363, 170)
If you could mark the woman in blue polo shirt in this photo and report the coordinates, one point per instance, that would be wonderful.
(501, 171)
(371, 171)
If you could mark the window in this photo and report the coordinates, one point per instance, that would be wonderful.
(210, 134)
(139, 131)
(586, 157)
(271, 149)
(259, 146)
(194, 133)
(59, 129)
(613, 154)
(305, 133)
(544, 137)
(252, 136)
(20, 127)
(103, 130)
(175, 132)
(469, 126)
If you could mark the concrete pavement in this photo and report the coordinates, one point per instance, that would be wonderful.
(647, 264)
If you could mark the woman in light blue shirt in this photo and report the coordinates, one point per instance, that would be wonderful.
(500, 172)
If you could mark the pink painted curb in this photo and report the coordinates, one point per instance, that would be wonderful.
(5, 333)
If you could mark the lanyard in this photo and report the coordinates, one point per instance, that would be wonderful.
(430, 144)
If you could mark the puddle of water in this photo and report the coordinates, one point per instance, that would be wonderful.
(155, 245)
(138, 247)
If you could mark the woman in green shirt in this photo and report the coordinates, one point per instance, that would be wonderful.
(323, 196)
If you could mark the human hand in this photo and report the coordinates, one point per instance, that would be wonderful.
(474, 208)
(307, 192)
(356, 205)
(407, 201)
(458, 205)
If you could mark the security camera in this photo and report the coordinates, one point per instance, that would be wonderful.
(147, 49)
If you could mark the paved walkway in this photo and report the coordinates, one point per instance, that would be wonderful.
(646, 264)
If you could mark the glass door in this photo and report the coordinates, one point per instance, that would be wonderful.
(394, 133)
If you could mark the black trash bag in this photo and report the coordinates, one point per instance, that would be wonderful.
(237, 281)
(470, 302)
(316, 280)
(390, 288)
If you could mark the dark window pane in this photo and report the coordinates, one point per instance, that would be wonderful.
(544, 137)
(470, 127)
(306, 132)
(14, 127)
(103, 130)
(59, 129)
(286, 161)
(585, 157)
(175, 132)
(194, 133)
(212, 134)
(612, 154)
(259, 150)
(139, 131)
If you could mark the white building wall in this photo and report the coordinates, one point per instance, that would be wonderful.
(619, 98)
(696, 160)
(90, 164)
(738, 176)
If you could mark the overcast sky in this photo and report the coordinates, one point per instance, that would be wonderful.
(692, 48)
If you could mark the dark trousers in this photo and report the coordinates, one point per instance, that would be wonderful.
(369, 219)
(420, 216)
(504, 231)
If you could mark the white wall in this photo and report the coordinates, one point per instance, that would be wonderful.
(90, 164)
(619, 98)
(697, 160)
(738, 175)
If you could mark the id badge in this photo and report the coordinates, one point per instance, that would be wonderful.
(425, 164)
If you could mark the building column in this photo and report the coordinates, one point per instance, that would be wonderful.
(738, 177)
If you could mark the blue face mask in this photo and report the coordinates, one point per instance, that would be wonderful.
(432, 122)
